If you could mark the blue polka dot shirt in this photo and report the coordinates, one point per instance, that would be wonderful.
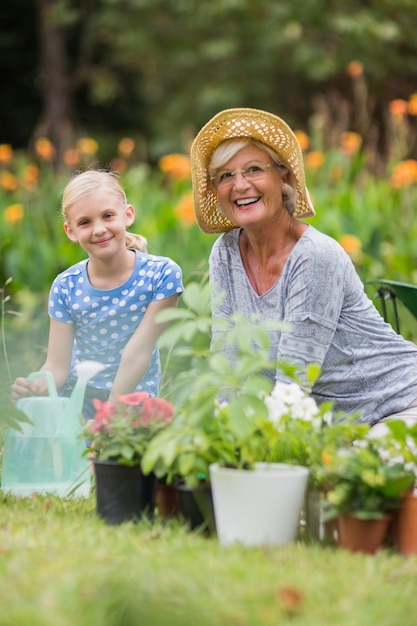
(104, 320)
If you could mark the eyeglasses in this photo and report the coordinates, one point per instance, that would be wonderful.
(226, 178)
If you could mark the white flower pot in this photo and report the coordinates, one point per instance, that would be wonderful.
(259, 507)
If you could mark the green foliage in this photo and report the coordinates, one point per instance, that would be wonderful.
(240, 60)
(124, 81)
(369, 478)
(10, 416)
(222, 406)
(218, 402)
(385, 238)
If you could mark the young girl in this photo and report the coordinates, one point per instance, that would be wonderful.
(103, 308)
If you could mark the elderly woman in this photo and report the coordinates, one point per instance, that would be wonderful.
(249, 183)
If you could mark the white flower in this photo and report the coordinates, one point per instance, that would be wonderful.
(379, 431)
(411, 446)
(288, 399)
(327, 418)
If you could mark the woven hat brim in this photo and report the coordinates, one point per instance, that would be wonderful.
(230, 123)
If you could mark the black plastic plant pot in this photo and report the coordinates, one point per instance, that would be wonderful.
(123, 493)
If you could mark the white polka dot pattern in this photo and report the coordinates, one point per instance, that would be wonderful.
(104, 321)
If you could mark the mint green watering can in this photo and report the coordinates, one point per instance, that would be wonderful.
(47, 455)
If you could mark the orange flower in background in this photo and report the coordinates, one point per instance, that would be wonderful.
(327, 459)
(8, 181)
(6, 153)
(336, 172)
(185, 209)
(30, 176)
(398, 108)
(31, 173)
(354, 69)
(13, 213)
(44, 149)
(177, 166)
(404, 174)
(303, 139)
(412, 104)
(118, 165)
(351, 142)
(350, 244)
(314, 160)
(126, 146)
(71, 157)
(86, 145)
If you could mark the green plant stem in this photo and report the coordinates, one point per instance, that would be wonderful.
(4, 300)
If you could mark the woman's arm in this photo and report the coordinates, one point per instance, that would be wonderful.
(138, 350)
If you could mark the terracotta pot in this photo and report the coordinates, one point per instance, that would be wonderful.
(362, 535)
(404, 531)
(167, 500)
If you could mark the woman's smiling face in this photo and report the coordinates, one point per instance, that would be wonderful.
(250, 202)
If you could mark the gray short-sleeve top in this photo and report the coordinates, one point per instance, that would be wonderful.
(366, 365)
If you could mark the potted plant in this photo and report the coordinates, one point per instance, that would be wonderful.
(120, 435)
(307, 434)
(223, 419)
(230, 418)
(403, 530)
(365, 484)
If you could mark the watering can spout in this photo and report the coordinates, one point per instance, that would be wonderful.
(70, 424)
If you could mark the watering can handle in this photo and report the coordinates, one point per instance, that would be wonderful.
(49, 379)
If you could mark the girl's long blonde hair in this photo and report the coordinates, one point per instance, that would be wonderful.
(85, 183)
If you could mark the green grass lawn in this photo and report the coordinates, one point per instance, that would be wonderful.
(60, 565)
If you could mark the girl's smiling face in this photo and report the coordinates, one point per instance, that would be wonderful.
(250, 202)
(98, 223)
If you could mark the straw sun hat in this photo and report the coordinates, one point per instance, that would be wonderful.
(230, 123)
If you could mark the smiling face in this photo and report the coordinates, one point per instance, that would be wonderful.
(250, 202)
(98, 222)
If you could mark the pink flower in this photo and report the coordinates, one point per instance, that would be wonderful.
(104, 411)
(133, 399)
(123, 431)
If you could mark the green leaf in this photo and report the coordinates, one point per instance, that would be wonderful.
(186, 463)
(197, 297)
(12, 417)
(169, 315)
(240, 425)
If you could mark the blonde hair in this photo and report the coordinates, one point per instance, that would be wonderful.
(229, 147)
(85, 183)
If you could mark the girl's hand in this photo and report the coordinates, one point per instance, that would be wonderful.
(22, 388)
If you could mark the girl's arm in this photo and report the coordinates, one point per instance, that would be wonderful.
(60, 345)
(58, 361)
(138, 350)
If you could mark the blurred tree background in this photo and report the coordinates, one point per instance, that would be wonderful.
(156, 70)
